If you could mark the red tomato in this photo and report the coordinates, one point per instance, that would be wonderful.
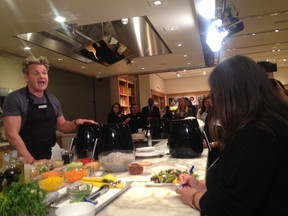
(85, 160)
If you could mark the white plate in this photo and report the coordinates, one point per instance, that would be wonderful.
(148, 154)
(145, 149)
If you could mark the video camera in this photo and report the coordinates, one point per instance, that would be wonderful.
(268, 66)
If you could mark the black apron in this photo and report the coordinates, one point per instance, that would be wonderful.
(39, 131)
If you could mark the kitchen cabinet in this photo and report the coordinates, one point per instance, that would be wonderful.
(126, 93)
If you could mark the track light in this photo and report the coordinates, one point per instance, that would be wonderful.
(222, 28)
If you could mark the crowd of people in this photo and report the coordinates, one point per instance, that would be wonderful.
(245, 120)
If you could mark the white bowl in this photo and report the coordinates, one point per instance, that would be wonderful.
(117, 160)
(138, 137)
(77, 209)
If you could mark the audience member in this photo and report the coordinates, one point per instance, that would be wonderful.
(203, 112)
(168, 113)
(150, 112)
(183, 110)
(115, 115)
(135, 119)
(251, 174)
(190, 105)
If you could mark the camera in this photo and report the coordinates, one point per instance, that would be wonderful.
(268, 66)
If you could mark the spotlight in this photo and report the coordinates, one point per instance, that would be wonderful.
(222, 28)
(124, 21)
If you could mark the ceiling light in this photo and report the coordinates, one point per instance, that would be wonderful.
(157, 3)
(222, 28)
(178, 74)
(179, 45)
(124, 21)
(83, 67)
(215, 35)
(27, 48)
(185, 56)
(171, 28)
(206, 8)
(60, 19)
(276, 30)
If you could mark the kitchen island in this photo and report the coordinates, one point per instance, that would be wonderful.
(143, 200)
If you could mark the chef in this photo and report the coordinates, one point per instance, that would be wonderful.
(31, 115)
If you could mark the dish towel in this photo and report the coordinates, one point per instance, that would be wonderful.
(57, 152)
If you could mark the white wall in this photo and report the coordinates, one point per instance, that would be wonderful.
(157, 83)
(11, 76)
(189, 84)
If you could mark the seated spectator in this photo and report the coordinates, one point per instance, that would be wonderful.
(115, 115)
(191, 106)
(168, 113)
(135, 119)
(203, 112)
(183, 110)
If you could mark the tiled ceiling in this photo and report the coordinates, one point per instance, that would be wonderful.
(265, 36)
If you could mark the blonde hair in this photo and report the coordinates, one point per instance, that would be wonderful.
(42, 60)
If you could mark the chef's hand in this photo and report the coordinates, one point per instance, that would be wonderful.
(80, 121)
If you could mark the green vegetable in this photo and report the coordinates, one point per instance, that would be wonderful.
(23, 199)
(169, 175)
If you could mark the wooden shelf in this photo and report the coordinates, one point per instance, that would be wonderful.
(126, 92)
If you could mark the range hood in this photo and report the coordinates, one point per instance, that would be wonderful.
(104, 43)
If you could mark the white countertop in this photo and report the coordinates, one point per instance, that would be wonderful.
(140, 200)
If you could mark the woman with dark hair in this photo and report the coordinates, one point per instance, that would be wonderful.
(203, 112)
(251, 174)
(115, 115)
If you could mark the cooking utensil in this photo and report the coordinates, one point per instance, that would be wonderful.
(93, 196)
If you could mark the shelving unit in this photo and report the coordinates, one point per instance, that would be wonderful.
(126, 92)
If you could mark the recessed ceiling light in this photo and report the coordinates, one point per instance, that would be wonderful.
(124, 21)
(143, 68)
(253, 34)
(185, 56)
(178, 74)
(179, 44)
(27, 48)
(83, 67)
(60, 19)
(171, 28)
(157, 3)
(276, 30)
(60, 59)
(189, 63)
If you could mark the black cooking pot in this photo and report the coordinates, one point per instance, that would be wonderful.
(86, 138)
(159, 128)
(114, 137)
(185, 139)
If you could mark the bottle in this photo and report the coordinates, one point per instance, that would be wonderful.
(149, 139)
(16, 163)
(6, 162)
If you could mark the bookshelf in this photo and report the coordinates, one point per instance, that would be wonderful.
(126, 92)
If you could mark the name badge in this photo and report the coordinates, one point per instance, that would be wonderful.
(42, 106)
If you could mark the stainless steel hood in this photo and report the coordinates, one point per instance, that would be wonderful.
(104, 43)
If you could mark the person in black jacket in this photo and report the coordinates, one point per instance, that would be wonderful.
(135, 119)
(115, 115)
(251, 174)
(150, 112)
